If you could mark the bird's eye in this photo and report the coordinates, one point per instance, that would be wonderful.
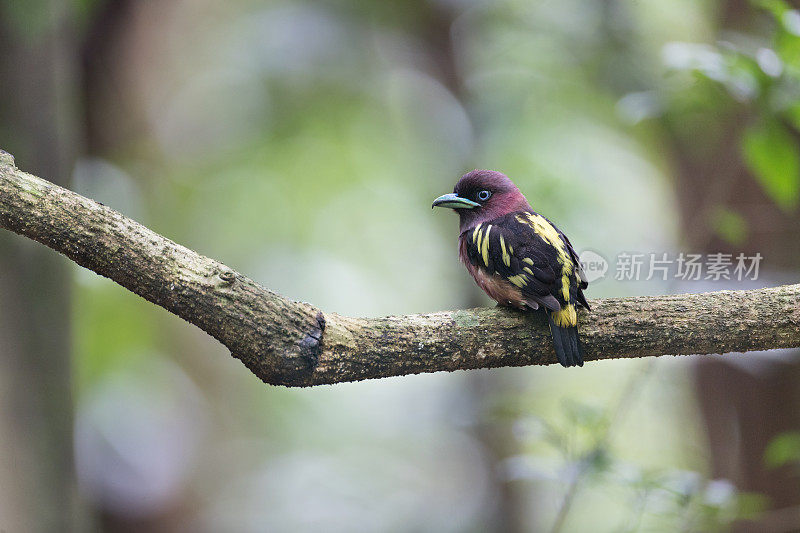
(484, 195)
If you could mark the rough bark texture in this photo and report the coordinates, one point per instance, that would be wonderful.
(295, 344)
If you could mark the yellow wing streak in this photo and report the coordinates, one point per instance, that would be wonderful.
(565, 284)
(520, 280)
(476, 232)
(546, 231)
(543, 228)
(485, 247)
(506, 257)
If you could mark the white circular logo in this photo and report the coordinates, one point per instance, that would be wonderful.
(594, 265)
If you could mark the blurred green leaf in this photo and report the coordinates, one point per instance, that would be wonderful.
(776, 7)
(772, 156)
(749, 505)
(793, 114)
(783, 449)
(729, 225)
(787, 46)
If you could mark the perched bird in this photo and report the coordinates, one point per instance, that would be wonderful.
(517, 256)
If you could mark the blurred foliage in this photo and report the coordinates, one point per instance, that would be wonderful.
(729, 224)
(761, 74)
(574, 449)
(301, 143)
(783, 450)
(772, 155)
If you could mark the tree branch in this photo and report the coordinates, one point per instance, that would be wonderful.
(295, 344)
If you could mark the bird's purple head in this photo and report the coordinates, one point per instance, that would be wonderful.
(483, 195)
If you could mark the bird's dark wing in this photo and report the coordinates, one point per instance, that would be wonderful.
(512, 250)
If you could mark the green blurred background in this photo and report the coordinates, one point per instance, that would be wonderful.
(301, 143)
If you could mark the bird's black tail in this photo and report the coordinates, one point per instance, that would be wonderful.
(566, 343)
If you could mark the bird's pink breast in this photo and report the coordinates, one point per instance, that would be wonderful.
(500, 290)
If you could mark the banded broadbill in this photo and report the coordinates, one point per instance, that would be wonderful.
(518, 257)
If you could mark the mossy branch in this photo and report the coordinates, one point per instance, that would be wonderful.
(295, 344)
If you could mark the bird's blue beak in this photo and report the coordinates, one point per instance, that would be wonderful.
(454, 201)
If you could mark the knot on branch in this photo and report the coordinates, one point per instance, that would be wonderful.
(311, 344)
(226, 276)
(283, 358)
